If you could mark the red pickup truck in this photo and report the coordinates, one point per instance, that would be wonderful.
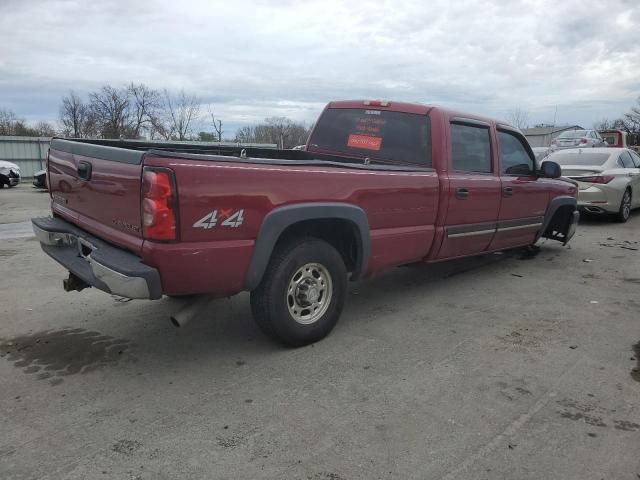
(380, 184)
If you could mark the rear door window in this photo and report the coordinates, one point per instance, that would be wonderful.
(470, 148)
(378, 134)
(635, 158)
(514, 157)
(625, 160)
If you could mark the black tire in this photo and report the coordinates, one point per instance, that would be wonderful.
(272, 301)
(624, 212)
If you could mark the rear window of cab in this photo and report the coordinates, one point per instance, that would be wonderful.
(396, 137)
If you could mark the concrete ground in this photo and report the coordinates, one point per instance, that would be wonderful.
(498, 367)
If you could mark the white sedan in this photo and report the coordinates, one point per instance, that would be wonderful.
(9, 174)
(608, 178)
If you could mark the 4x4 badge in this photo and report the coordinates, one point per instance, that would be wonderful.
(227, 218)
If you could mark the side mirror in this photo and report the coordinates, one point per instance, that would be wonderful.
(550, 169)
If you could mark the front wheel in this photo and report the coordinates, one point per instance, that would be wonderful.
(625, 207)
(301, 295)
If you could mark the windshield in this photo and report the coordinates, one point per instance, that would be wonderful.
(575, 158)
(573, 134)
(378, 134)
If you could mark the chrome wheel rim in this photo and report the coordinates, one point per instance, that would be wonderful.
(626, 205)
(309, 293)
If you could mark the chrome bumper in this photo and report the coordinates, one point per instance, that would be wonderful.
(96, 262)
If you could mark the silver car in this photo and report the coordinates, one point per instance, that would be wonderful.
(540, 154)
(608, 178)
(578, 138)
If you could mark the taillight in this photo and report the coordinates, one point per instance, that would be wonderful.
(596, 179)
(159, 204)
(583, 140)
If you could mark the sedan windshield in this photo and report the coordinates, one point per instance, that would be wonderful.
(591, 159)
(573, 134)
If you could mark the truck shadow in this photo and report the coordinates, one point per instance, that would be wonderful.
(224, 333)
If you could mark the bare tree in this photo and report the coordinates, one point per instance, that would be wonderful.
(111, 109)
(76, 118)
(282, 131)
(145, 106)
(631, 119)
(217, 126)
(11, 124)
(246, 134)
(519, 118)
(8, 122)
(44, 129)
(182, 112)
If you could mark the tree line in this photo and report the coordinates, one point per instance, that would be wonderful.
(11, 124)
(131, 112)
(136, 111)
(628, 122)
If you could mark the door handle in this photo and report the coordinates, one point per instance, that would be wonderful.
(84, 170)
(507, 192)
(462, 193)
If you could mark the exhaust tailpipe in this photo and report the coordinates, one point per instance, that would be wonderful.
(190, 309)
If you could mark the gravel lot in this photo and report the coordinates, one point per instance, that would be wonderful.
(498, 367)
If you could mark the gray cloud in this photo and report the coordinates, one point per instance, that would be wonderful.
(254, 59)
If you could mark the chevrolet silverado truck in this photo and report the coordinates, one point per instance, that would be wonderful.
(379, 185)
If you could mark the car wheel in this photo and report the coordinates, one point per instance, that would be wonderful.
(625, 207)
(301, 295)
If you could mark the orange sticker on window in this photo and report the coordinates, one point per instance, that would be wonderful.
(364, 141)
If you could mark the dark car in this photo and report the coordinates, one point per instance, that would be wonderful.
(40, 179)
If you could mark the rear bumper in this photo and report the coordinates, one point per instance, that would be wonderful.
(600, 199)
(96, 262)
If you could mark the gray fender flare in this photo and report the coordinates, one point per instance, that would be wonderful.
(278, 220)
(555, 204)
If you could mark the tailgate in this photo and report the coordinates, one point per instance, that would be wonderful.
(97, 188)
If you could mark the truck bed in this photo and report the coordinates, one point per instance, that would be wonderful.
(224, 153)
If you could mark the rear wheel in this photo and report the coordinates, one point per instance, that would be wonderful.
(302, 293)
(625, 207)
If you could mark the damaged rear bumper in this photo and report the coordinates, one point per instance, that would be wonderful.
(95, 262)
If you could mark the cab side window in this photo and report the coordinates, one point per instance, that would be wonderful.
(470, 148)
(514, 156)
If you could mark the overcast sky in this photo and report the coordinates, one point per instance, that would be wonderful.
(253, 59)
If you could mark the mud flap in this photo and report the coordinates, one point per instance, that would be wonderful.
(562, 227)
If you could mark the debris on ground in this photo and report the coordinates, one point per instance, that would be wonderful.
(625, 244)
